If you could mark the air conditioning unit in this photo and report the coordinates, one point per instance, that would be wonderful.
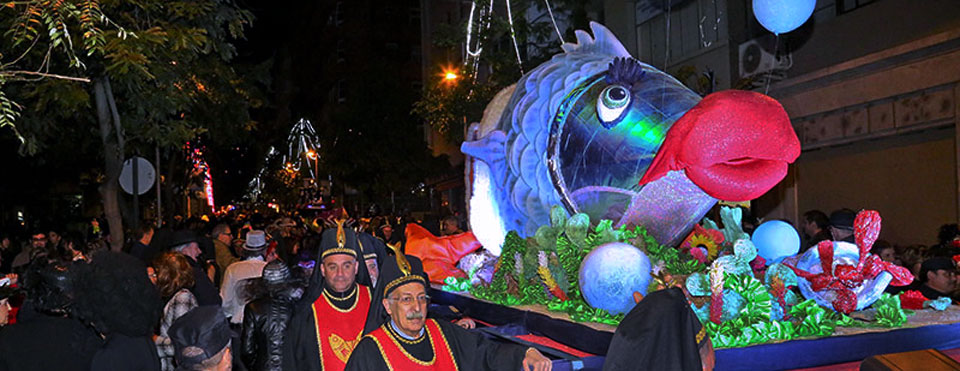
(754, 59)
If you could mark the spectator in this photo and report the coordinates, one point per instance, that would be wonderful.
(124, 307)
(266, 316)
(140, 246)
(201, 339)
(251, 267)
(949, 241)
(46, 337)
(841, 225)
(911, 257)
(185, 242)
(174, 278)
(8, 250)
(884, 250)
(450, 226)
(74, 248)
(54, 240)
(6, 292)
(938, 277)
(37, 247)
(815, 228)
(222, 236)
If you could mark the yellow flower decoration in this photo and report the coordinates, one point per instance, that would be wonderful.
(703, 240)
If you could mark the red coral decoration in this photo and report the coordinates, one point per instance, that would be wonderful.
(844, 277)
(912, 299)
(716, 308)
(759, 266)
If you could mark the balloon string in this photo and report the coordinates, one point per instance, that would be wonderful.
(554, 20)
(776, 52)
(513, 36)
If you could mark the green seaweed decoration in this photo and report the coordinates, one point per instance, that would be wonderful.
(668, 257)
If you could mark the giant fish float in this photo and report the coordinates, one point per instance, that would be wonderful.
(601, 133)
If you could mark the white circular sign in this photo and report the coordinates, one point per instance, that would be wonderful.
(146, 175)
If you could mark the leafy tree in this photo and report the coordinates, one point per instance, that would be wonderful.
(139, 73)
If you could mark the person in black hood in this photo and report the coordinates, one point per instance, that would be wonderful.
(46, 336)
(265, 318)
(374, 251)
(660, 333)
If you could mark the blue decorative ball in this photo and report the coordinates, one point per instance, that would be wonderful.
(611, 273)
(780, 16)
(776, 240)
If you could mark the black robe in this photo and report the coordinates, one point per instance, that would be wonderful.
(300, 348)
(471, 351)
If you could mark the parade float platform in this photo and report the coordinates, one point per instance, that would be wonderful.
(581, 346)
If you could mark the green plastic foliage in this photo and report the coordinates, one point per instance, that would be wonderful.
(889, 312)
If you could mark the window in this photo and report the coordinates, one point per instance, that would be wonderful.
(341, 51)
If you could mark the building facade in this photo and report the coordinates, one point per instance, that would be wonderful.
(871, 92)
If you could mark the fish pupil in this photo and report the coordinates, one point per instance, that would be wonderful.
(617, 94)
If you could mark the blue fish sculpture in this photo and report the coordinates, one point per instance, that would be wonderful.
(598, 132)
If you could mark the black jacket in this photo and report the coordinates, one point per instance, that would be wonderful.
(264, 324)
(204, 290)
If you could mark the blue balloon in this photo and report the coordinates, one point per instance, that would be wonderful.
(611, 273)
(776, 240)
(780, 16)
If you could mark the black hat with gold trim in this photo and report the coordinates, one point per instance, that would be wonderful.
(397, 270)
(339, 240)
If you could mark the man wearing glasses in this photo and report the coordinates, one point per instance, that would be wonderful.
(37, 247)
(401, 337)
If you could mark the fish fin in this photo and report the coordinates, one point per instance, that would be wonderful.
(491, 149)
(603, 42)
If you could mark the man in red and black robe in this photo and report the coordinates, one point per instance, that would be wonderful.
(401, 337)
(330, 320)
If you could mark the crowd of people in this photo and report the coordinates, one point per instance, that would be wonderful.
(288, 294)
(236, 293)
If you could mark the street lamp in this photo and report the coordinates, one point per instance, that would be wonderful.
(450, 75)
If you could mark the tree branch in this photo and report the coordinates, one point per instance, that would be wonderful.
(15, 74)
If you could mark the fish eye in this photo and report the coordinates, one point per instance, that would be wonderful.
(611, 103)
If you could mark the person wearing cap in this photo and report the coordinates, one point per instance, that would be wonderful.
(328, 323)
(201, 339)
(266, 317)
(841, 225)
(186, 243)
(400, 336)
(660, 333)
(251, 267)
(937, 277)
